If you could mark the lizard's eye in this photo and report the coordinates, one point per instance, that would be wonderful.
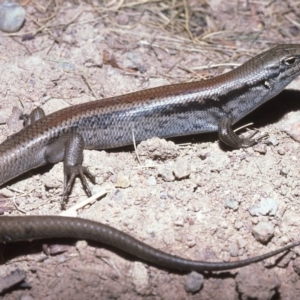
(290, 61)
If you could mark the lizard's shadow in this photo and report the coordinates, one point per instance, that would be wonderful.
(11, 251)
(274, 110)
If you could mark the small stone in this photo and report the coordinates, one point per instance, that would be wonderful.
(57, 249)
(273, 140)
(140, 278)
(281, 151)
(151, 181)
(253, 211)
(234, 250)
(54, 104)
(117, 196)
(162, 195)
(231, 203)
(81, 245)
(190, 241)
(171, 194)
(26, 297)
(255, 282)
(5, 112)
(202, 154)
(169, 238)
(13, 122)
(296, 265)
(194, 205)
(61, 259)
(263, 232)
(179, 221)
(184, 196)
(194, 282)
(65, 65)
(223, 224)
(238, 225)
(12, 16)
(14, 278)
(166, 172)
(284, 171)
(134, 60)
(263, 219)
(291, 125)
(122, 181)
(260, 148)
(182, 168)
(122, 19)
(267, 206)
(241, 242)
(158, 149)
(285, 260)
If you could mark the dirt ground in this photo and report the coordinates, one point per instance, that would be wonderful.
(70, 52)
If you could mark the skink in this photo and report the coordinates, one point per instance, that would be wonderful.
(167, 111)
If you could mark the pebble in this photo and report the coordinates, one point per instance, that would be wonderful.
(184, 196)
(12, 16)
(238, 224)
(158, 149)
(55, 249)
(241, 242)
(151, 181)
(285, 171)
(231, 203)
(273, 140)
(81, 246)
(296, 265)
(166, 172)
(54, 104)
(281, 151)
(255, 282)
(234, 250)
(194, 282)
(194, 205)
(122, 19)
(66, 66)
(179, 221)
(260, 148)
(117, 196)
(140, 278)
(291, 125)
(134, 60)
(285, 260)
(162, 195)
(181, 169)
(13, 122)
(191, 240)
(122, 181)
(26, 297)
(169, 238)
(16, 277)
(4, 112)
(263, 232)
(267, 206)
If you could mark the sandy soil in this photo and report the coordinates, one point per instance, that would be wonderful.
(73, 52)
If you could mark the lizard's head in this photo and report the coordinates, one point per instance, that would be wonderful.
(282, 63)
